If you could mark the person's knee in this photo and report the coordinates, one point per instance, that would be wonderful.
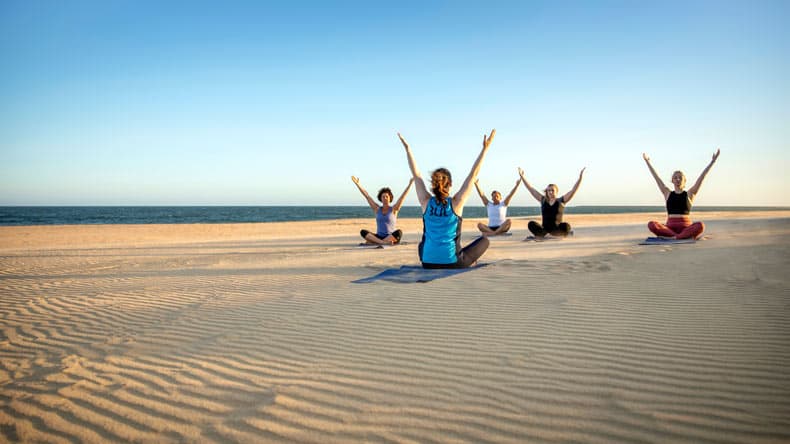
(397, 234)
(481, 242)
(536, 228)
(700, 226)
(562, 229)
(364, 233)
(481, 226)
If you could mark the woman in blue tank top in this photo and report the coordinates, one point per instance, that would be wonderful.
(440, 246)
(386, 215)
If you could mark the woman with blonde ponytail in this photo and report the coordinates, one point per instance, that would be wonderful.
(440, 246)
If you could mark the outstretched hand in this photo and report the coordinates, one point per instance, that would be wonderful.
(487, 140)
(520, 172)
(355, 179)
(581, 173)
(403, 141)
(646, 157)
(716, 155)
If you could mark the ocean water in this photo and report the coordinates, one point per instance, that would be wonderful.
(237, 214)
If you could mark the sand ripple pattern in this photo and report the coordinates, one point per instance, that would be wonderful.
(216, 344)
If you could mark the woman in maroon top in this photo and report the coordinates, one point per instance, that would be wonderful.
(678, 225)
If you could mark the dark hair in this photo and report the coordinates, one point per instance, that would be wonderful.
(385, 190)
(441, 181)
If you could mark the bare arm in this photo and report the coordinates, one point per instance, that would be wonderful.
(512, 192)
(695, 188)
(482, 195)
(663, 188)
(399, 204)
(535, 193)
(569, 195)
(423, 196)
(371, 202)
(459, 200)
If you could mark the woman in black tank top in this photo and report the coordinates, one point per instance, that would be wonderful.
(551, 208)
(678, 225)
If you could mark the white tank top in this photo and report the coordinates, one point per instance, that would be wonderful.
(496, 214)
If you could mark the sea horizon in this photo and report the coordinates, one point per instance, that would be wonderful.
(217, 214)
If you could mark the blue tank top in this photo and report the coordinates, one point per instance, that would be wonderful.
(385, 223)
(441, 233)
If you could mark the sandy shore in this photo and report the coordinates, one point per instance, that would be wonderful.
(255, 333)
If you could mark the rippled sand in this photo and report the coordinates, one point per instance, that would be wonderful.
(255, 333)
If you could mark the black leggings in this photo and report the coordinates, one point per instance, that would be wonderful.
(537, 229)
(467, 256)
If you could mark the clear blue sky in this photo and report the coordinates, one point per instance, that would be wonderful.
(268, 103)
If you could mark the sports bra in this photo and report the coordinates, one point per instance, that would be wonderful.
(678, 203)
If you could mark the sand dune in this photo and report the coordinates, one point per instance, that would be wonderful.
(255, 333)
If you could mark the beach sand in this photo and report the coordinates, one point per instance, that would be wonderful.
(256, 333)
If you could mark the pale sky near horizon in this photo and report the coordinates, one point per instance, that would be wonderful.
(259, 103)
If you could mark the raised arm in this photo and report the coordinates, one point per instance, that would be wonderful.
(512, 192)
(695, 188)
(480, 192)
(459, 200)
(663, 188)
(370, 200)
(569, 195)
(423, 196)
(535, 193)
(399, 204)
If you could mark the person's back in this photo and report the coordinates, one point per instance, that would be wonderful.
(440, 246)
(441, 237)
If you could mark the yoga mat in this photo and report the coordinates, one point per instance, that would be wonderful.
(408, 274)
(666, 241)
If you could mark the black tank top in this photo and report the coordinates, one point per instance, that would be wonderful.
(678, 203)
(552, 214)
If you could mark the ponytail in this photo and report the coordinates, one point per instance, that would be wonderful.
(441, 181)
